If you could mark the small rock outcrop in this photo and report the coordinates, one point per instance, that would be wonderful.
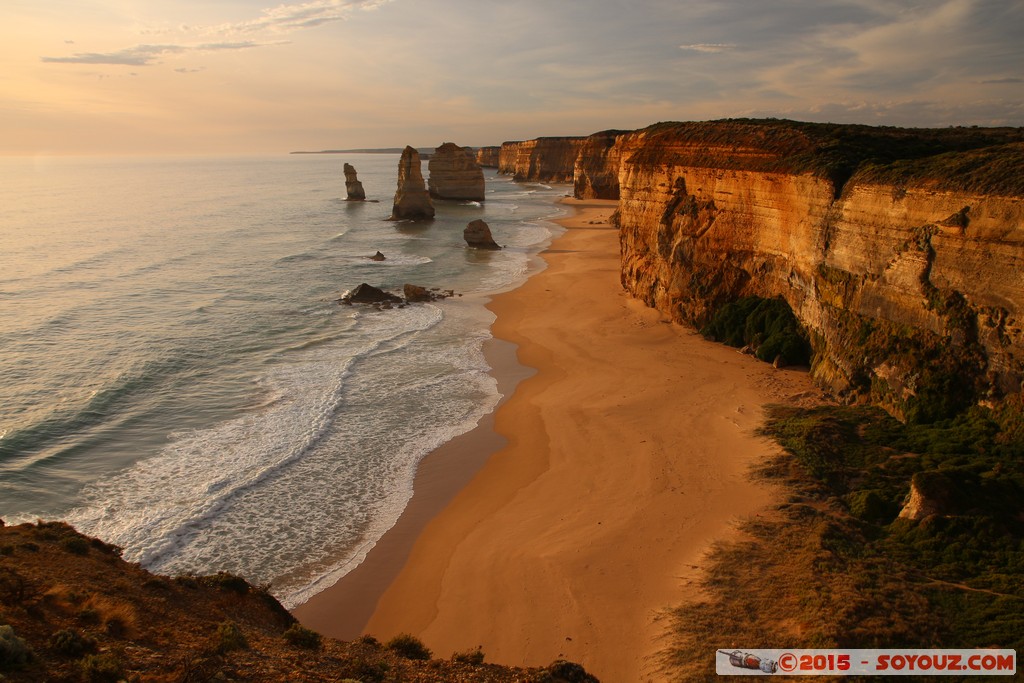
(455, 174)
(353, 188)
(417, 294)
(411, 199)
(478, 235)
(377, 257)
(368, 294)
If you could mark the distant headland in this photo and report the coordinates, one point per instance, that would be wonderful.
(380, 150)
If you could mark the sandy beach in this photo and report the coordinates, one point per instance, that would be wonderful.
(611, 470)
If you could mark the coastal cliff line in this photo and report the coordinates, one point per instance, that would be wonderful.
(900, 251)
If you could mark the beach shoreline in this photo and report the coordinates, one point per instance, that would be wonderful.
(598, 484)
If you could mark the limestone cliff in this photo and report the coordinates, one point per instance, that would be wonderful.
(454, 174)
(596, 169)
(902, 252)
(547, 160)
(353, 188)
(488, 157)
(412, 201)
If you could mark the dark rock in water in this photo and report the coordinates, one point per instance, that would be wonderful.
(411, 198)
(478, 234)
(368, 294)
(353, 187)
(416, 293)
(378, 257)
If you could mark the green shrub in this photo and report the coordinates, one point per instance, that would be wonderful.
(408, 646)
(300, 636)
(71, 643)
(103, 668)
(225, 581)
(14, 652)
(567, 672)
(369, 641)
(767, 325)
(76, 545)
(870, 506)
(230, 637)
(469, 656)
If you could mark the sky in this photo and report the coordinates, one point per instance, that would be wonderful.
(254, 76)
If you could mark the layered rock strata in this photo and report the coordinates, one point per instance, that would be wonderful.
(353, 188)
(547, 160)
(596, 168)
(412, 202)
(488, 157)
(907, 272)
(454, 174)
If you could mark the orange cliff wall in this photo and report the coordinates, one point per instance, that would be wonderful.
(908, 289)
(901, 251)
(548, 160)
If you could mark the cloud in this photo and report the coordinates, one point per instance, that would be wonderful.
(146, 55)
(708, 47)
(140, 55)
(287, 18)
(1003, 80)
(280, 19)
(184, 70)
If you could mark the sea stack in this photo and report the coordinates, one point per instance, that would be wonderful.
(478, 235)
(353, 187)
(455, 174)
(411, 199)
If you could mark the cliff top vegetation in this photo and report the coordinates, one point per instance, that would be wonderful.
(936, 157)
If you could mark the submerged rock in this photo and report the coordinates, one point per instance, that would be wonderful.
(411, 199)
(377, 257)
(478, 235)
(353, 187)
(455, 174)
(368, 294)
(417, 294)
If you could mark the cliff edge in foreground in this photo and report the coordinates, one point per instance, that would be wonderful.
(72, 609)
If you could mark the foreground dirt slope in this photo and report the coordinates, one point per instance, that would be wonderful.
(71, 610)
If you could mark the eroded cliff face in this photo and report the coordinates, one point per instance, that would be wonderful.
(596, 169)
(912, 291)
(547, 160)
(488, 157)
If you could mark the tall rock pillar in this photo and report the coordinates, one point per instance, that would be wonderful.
(353, 187)
(411, 199)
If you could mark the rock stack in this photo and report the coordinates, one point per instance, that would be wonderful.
(455, 174)
(478, 235)
(353, 187)
(411, 199)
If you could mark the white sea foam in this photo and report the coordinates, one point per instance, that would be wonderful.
(329, 409)
(206, 470)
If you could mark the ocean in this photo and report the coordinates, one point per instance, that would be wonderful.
(177, 377)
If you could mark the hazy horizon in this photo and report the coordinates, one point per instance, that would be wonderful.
(123, 77)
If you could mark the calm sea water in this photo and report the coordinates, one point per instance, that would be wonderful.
(177, 378)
